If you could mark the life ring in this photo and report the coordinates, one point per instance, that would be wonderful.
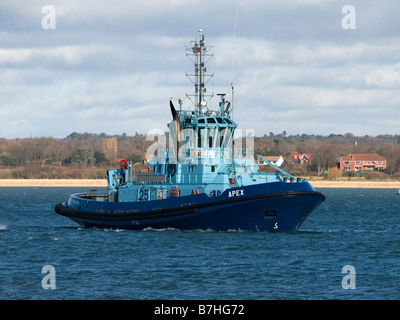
(148, 170)
(123, 164)
(195, 153)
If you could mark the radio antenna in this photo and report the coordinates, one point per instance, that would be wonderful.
(234, 39)
(233, 59)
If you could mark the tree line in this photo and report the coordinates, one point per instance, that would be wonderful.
(79, 155)
(327, 151)
(88, 155)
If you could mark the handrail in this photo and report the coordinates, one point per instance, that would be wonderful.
(277, 168)
(223, 153)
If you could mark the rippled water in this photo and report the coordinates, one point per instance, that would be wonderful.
(357, 227)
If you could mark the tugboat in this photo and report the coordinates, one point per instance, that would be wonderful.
(201, 181)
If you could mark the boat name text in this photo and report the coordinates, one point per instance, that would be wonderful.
(236, 193)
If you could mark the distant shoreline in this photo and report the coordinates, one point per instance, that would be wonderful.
(103, 183)
(355, 184)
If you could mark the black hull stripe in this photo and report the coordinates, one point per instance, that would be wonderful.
(163, 213)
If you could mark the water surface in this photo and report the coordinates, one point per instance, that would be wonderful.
(358, 227)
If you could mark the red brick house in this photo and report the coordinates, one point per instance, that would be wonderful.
(356, 162)
(300, 158)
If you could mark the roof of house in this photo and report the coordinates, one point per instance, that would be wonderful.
(362, 157)
(297, 156)
(271, 158)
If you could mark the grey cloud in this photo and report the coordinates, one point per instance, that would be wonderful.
(112, 67)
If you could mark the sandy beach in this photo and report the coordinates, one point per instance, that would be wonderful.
(355, 184)
(103, 183)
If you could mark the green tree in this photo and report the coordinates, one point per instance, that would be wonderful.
(100, 157)
(81, 156)
(7, 160)
(324, 158)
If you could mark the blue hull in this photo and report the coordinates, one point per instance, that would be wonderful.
(265, 207)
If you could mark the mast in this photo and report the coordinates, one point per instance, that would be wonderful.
(200, 54)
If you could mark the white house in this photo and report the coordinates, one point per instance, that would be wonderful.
(276, 160)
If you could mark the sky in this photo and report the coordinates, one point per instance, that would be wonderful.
(304, 66)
